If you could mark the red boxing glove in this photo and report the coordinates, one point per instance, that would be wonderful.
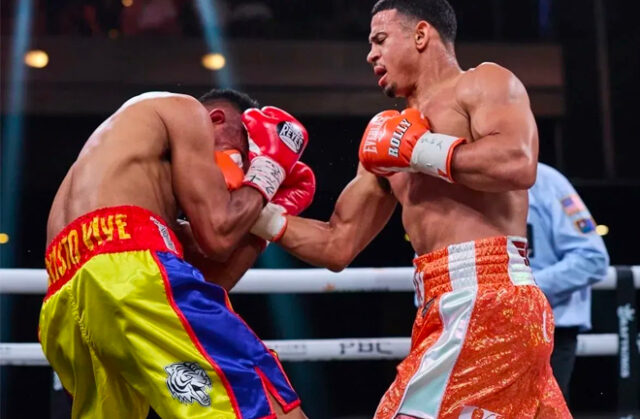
(403, 142)
(293, 197)
(297, 190)
(276, 142)
(230, 164)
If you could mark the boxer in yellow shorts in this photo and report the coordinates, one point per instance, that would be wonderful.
(127, 322)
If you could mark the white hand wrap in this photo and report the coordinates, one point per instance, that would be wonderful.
(266, 175)
(271, 223)
(432, 154)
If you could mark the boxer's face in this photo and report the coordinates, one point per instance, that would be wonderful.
(228, 129)
(393, 54)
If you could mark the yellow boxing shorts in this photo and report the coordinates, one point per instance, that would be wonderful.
(127, 323)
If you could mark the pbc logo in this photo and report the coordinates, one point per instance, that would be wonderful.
(291, 135)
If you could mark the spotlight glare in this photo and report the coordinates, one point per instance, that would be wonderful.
(127, 3)
(213, 61)
(602, 229)
(4, 238)
(36, 58)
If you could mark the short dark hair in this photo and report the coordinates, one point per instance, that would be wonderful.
(438, 13)
(241, 100)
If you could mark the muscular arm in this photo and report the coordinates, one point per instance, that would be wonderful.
(504, 155)
(226, 274)
(219, 219)
(362, 210)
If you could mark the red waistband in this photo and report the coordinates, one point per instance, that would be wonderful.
(106, 230)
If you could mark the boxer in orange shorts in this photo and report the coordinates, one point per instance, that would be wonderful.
(482, 337)
(128, 321)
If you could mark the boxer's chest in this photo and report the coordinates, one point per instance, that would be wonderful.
(445, 117)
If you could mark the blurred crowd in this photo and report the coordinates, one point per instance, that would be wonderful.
(243, 18)
(298, 19)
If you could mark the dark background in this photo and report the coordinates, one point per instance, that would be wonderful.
(340, 389)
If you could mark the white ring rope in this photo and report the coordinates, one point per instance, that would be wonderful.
(263, 281)
(30, 354)
(34, 281)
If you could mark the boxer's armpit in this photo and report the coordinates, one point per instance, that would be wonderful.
(384, 184)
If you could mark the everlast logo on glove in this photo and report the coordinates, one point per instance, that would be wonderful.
(291, 135)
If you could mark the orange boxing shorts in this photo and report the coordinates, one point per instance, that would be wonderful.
(127, 323)
(481, 341)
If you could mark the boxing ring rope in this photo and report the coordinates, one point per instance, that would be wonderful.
(34, 281)
(624, 345)
(274, 281)
(30, 354)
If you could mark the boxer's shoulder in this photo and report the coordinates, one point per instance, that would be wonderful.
(155, 97)
(163, 104)
(488, 82)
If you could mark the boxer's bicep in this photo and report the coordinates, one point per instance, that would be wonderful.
(503, 151)
(362, 210)
(498, 104)
(199, 184)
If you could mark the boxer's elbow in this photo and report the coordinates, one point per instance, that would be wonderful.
(217, 247)
(338, 265)
(526, 173)
(520, 171)
(341, 254)
(220, 253)
(337, 258)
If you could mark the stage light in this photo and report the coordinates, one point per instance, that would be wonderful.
(208, 14)
(213, 61)
(4, 238)
(602, 229)
(36, 58)
(127, 3)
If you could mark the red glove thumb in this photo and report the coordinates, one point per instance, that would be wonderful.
(297, 191)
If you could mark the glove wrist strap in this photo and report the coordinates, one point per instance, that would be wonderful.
(271, 223)
(266, 175)
(432, 154)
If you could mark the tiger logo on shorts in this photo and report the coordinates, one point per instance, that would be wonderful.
(188, 382)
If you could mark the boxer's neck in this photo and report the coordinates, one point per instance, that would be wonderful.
(439, 65)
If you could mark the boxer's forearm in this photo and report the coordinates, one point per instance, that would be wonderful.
(319, 243)
(362, 210)
(487, 165)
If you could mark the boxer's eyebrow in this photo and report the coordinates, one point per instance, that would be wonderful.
(376, 37)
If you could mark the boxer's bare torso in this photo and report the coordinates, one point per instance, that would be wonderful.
(125, 161)
(156, 152)
(489, 107)
(435, 213)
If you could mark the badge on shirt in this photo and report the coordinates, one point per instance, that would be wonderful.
(572, 204)
(586, 225)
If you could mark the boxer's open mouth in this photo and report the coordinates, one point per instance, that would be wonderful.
(381, 72)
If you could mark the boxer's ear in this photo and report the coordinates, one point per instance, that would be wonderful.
(421, 35)
(217, 116)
